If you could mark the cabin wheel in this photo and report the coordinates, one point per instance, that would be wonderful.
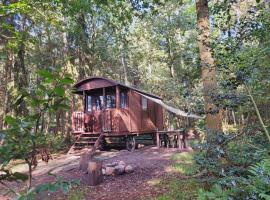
(131, 143)
(103, 144)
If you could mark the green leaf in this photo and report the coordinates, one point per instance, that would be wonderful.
(60, 91)
(52, 187)
(75, 182)
(46, 74)
(66, 81)
(42, 188)
(65, 187)
(10, 120)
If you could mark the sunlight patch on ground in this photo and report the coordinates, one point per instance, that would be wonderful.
(183, 163)
(181, 189)
(169, 169)
(154, 182)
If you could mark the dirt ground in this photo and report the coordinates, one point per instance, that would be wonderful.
(151, 165)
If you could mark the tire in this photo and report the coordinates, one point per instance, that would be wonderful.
(103, 144)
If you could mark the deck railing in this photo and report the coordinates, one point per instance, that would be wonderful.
(78, 122)
(85, 122)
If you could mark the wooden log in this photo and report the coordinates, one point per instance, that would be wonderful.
(84, 161)
(94, 173)
(85, 158)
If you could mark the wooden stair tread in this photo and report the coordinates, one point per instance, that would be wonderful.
(89, 136)
(85, 142)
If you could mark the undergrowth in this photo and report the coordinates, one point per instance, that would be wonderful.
(177, 188)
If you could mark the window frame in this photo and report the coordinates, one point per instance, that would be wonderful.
(111, 94)
(144, 103)
(87, 103)
(125, 92)
(96, 101)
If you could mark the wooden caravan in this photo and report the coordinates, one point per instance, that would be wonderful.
(114, 110)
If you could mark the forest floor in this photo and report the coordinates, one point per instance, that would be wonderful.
(156, 172)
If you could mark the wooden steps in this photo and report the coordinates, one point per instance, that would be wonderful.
(84, 140)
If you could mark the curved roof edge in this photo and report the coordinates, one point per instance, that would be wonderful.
(114, 83)
(92, 78)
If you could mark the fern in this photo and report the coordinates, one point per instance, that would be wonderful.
(260, 178)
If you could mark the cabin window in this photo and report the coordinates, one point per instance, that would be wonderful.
(123, 99)
(94, 102)
(97, 102)
(89, 103)
(144, 103)
(110, 100)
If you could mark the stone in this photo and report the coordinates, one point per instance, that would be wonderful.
(129, 169)
(119, 169)
(124, 150)
(103, 171)
(112, 164)
(122, 163)
(109, 171)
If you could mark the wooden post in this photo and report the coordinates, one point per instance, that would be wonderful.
(179, 140)
(104, 105)
(157, 139)
(168, 140)
(104, 99)
(117, 97)
(84, 101)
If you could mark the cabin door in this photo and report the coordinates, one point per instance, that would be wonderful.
(107, 121)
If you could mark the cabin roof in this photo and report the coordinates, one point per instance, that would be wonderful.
(113, 83)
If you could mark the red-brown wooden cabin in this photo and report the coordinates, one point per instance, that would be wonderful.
(114, 110)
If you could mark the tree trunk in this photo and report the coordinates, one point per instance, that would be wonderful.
(8, 72)
(124, 64)
(171, 57)
(213, 115)
(20, 71)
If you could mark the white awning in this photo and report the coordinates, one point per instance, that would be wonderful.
(172, 109)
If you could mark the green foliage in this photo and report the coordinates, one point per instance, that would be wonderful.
(181, 189)
(253, 186)
(260, 179)
(184, 163)
(76, 194)
(149, 42)
(59, 184)
(216, 193)
(24, 138)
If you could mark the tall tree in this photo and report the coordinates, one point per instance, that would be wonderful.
(213, 115)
